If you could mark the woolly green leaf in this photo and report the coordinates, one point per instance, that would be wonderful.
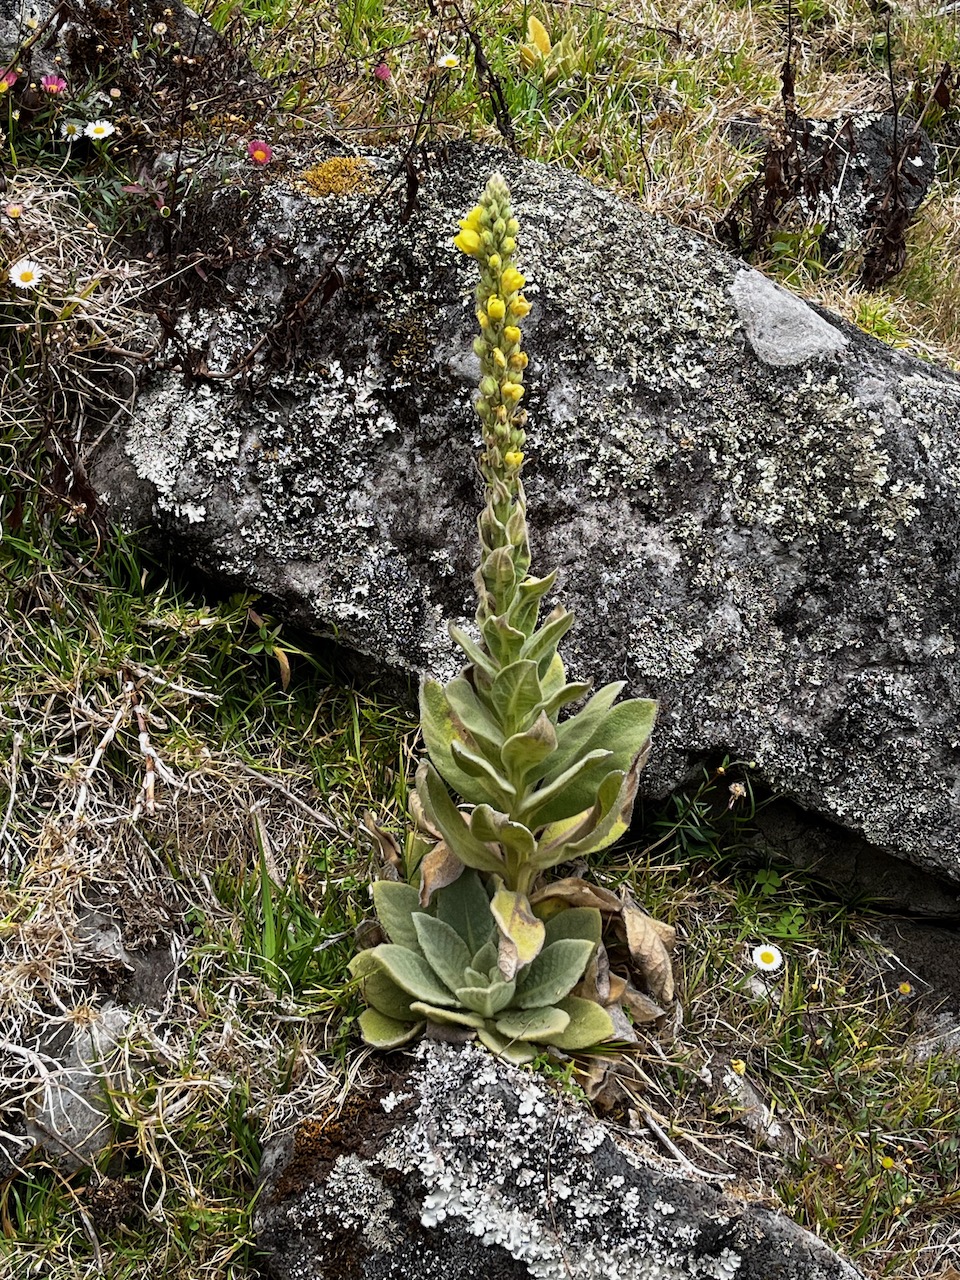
(440, 730)
(593, 829)
(465, 906)
(524, 753)
(443, 949)
(564, 796)
(553, 681)
(521, 933)
(470, 712)
(515, 695)
(489, 825)
(478, 656)
(525, 609)
(585, 923)
(516, 1051)
(542, 645)
(533, 1024)
(575, 733)
(450, 822)
(589, 1024)
(503, 641)
(395, 903)
(566, 693)
(485, 960)
(379, 991)
(555, 972)
(490, 776)
(412, 974)
(386, 1033)
(447, 1017)
(622, 730)
(488, 1000)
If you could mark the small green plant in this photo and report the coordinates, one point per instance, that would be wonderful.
(441, 967)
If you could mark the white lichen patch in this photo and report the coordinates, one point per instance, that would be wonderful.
(782, 329)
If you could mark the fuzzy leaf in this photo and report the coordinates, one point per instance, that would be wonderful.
(553, 974)
(533, 1024)
(491, 826)
(574, 733)
(564, 797)
(542, 645)
(589, 1024)
(412, 974)
(441, 810)
(386, 1033)
(466, 908)
(623, 730)
(438, 870)
(469, 711)
(489, 1000)
(380, 991)
(440, 730)
(516, 1051)
(578, 893)
(447, 1017)
(565, 694)
(485, 960)
(584, 923)
(524, 753)
(521, 933)
(443, 949)
(490, 776)
(596, 828)
(477, 655)
(515, 694)
(525, 609)
(503, 641)
(395, 904)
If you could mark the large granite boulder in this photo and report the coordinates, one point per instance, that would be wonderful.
(754, 507)
(473, 1170)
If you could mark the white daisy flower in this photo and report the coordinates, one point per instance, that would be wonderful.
(767, 957)
(99, 129)
(71, 129)
(26, 274)
(448, 62)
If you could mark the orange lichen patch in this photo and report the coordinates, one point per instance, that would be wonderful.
(339, 176)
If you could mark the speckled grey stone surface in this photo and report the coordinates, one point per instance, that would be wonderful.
(754, 507)
(472, 1169)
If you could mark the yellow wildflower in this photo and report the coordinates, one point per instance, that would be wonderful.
(511, 281)
(472, 221)
(468, 242)
(512, 334)
(513, 458)
(499, 359)
(496, 308)
(511, 391)
(520, 307)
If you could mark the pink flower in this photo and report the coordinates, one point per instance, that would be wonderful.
(383, 72)
(259, 152)
(8, 80)
(54, 85)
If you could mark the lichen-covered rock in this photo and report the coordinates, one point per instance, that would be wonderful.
(754, 507)
(471, 1169)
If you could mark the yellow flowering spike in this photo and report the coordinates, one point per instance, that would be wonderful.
(468, 242)
(496, 308)
(512, 281)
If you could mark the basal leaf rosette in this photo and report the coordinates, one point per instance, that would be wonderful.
(441, 970)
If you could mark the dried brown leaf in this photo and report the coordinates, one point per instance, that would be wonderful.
(579, 893)
(643, 1009)
(648, 953)
(439, 868)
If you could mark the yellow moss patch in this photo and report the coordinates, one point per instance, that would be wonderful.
(339, 176)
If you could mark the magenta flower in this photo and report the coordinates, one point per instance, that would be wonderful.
(259, 152)
(54, 85)
(8, 80)
(383, 72)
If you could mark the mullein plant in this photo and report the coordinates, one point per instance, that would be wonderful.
(529, 790)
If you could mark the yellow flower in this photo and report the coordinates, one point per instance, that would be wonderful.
(496, 308)
(511, 280)
(739, 1066)
(513, 458)
(499, 359)
(468, 242)
(511, 391)
(512, 334)
(472, 221)
(520, 307)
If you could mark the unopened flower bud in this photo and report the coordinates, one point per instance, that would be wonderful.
(509, 244)
(513, 226)
(488, 386)
(479, 347)
(494, 262)
(518, 362)
(512, 334)
(496, 308)
(499, 359)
